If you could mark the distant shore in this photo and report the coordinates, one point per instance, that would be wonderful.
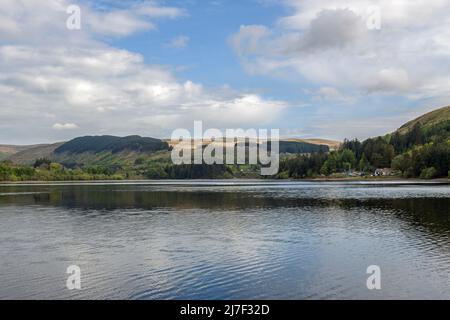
(381, 180)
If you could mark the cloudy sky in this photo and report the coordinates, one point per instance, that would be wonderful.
(312, 68)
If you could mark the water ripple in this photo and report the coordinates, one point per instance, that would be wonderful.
(225, 241)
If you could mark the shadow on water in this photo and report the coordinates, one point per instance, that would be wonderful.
(429, 211)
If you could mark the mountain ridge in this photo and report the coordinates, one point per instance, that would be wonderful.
(119, 146)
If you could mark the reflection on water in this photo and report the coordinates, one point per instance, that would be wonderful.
(225, 241)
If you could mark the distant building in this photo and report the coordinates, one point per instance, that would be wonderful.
(383, 172)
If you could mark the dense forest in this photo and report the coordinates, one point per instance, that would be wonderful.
(422, 151)
(113, 144)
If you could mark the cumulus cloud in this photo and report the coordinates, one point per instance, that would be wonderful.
(391, 80)
(333, 28)
(329, 44)
(50, 74)
(127, 21)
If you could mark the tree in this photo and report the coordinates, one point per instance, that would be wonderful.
(428, 173)
(364, 164)
(42, 162)
(402, 163)
(347, 159)
(415, 136)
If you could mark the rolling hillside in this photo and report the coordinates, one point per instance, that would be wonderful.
(420, 148)
(126, 151)
(31, 153)
(9, 150)
(6, 151)
(428, 120)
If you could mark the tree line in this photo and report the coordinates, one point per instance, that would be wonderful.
(419, 152)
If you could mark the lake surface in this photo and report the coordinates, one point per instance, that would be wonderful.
(225, 240)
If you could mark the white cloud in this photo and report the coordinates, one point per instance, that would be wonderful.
(49, 70)
(327, 43)
(248, 40)
(330, 94)
(120, 23)
(154, 11)
(65, 126)
(44, 22)
(332, 28)
(111, 90)
(128, 21)
(391, 80)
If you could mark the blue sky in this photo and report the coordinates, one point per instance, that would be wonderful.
(309, 68)
(207, 58)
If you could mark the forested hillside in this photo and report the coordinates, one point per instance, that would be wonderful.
(114, 144)
(420, 148)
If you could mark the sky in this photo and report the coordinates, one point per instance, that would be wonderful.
(330, 69)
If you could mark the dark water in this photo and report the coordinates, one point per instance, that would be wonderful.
(233, 241)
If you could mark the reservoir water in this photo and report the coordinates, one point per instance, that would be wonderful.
(225, 240)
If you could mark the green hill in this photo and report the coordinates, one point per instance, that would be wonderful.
(113, 144)
(433, 127)
(420, 148)
(428, 120)
(132, 157)
(119, 151)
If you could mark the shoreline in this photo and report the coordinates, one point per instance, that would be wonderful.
(357, 180)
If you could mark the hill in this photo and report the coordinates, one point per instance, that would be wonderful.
(420, 148)
(291, 146)
(9, 150)
(6, 151)
(113, 144)
(295, 147)
(431, 128)
(28, 155)
(114, 151)
(331, 144)
(132, 157)
(428, 120)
